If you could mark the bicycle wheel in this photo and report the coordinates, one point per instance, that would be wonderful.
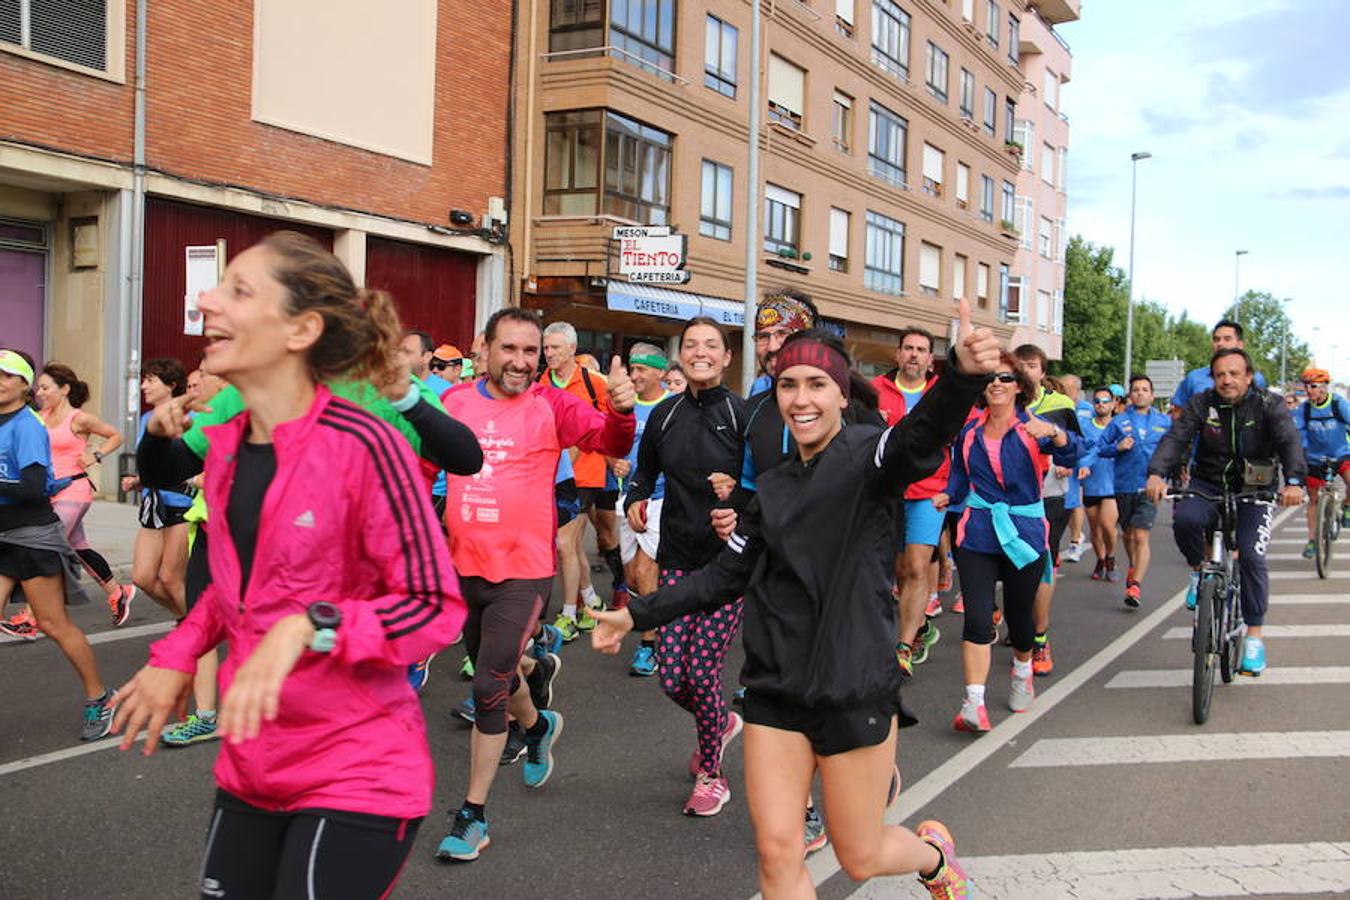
(1323, 528)
(1230, 636)
(1204, 646)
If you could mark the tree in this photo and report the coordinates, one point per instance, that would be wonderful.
(1266, 326)
(1095, 295)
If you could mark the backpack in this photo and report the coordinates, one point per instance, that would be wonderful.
(1335, 412)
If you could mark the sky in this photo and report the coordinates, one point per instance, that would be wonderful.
(1246, 110)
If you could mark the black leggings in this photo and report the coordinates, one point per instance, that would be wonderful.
(500, 621)
(253, 854)
(97, 564)
(979, 572)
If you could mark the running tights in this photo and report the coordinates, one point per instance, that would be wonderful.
(501, 619)
(692, 652)
(254, 854)
(979, 572)
(71, 515)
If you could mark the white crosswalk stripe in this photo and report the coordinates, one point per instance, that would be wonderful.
(1181, 633)
(1311, 600)
(1276, 675)
(1175, 748)
(1285, 575)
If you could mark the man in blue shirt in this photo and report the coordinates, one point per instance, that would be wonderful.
(1130, 440)
(1322, 420)
(1225, 334)
(1098, 477)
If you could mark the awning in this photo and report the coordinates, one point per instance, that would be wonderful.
(665, 303)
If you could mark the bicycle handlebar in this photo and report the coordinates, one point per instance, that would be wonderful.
(1262, 495)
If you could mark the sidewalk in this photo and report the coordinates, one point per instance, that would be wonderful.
(111, 528)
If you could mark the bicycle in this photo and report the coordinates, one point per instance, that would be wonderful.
(1327, 519)
(1218, 630)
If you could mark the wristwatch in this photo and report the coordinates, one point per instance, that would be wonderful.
(98, 457)
(325, 617)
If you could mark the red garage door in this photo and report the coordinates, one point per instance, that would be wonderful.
(435, 289)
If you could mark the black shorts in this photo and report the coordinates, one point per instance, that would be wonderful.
(23, 563)
(1096, 501)
(155, 513)
(831, 730)
(597, 497)
(1136, 510)
(565, 501)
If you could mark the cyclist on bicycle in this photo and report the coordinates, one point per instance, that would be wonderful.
(1242, 431)
(1322, 421)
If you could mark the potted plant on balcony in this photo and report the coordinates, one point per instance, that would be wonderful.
(1009, 228)
(1014, 148)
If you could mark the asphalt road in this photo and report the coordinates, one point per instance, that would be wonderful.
(608, 824)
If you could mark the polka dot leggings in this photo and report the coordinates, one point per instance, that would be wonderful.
(692, 651)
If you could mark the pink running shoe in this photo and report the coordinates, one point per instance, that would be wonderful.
(934, 607)
(972, 717)
(950, 881)
(21, 625)
(711, 793)
(734, 725)
(119, 604)
(959, 607)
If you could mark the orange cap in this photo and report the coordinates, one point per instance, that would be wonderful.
(448, 353)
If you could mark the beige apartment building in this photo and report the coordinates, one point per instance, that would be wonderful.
(887, 174)
(1036, 289)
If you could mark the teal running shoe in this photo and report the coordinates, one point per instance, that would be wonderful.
(1253, 658)
(468, 838)
(1310, 550)
(192, 731)
(550, 640)
(644, 663)
(539, 751)
(1192, 590)
(815, 835)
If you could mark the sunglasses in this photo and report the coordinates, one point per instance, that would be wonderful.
(1005, 377)
(1100, 400)
(1313, 384)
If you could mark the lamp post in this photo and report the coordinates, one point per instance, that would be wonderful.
(1129, 303)
(753, 211)
(1284, 342)
(1237, 285)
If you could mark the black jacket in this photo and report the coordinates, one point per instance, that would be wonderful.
(813, 554)
(1257, 428)
(688, 437)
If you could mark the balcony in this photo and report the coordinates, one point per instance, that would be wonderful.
(1057, 11)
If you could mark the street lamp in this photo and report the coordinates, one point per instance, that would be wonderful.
(1284, 341)
(1129, 302)
(1237, 289)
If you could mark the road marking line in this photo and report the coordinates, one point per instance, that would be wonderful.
(107, 637)
(1237, 871)
(1310, 573)
(1282, 557)
(1173, 748)
(1311, 600)
(1274, 631)
(1168, 678)
(43, 759)
(915, 797)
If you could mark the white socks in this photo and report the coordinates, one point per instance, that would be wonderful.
(975, 694)
(589, 597)
(1021, 668)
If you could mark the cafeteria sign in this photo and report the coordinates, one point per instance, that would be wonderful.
(652, 255)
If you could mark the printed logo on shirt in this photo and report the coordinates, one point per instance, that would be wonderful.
(211, 888)
(304, 520)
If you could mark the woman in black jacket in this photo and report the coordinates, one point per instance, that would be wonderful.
(689, 437)
(813, 554)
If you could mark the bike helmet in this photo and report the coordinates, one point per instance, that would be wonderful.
(1316, 376)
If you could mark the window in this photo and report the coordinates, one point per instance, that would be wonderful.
(782, 220)
(838, 240)
(982, 284)
(1043, 310)
(1013, 290)
(993, 18)
(962, 186)
(959, 277)
(967, 95)
(886, 134)
(968, 10)
(1062, 170)
(930, 269)
(714, 217)
(643, 32)
(884, 270)
(937, 71)
(787, 91)
(843, 17)
(1058, 312)
(986, 198)
(1062, 239)
(933, 161)
(1024, 217)
(1009, 209)
(572, 163)
(719, 57)
(636, 166)
(890, 38)
(1046, 243)
(1048, 164)
(1014, 40)
(1024, 133)
(576, 24)
(1010, 119)
(841, 123)
(1051, 92)
(71, 32)
(990, 111)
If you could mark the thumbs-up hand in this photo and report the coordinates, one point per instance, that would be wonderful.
(622, 394)
(976, 348)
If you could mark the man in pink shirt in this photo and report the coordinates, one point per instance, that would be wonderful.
(502, 527)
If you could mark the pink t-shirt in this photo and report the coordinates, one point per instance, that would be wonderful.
(994, 447)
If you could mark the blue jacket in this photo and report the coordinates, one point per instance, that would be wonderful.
(1147, 429)
(1323, 434)
(1197, 381)
(1024, 460)
(1101, 480)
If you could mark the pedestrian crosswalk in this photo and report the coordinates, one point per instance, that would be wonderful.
(1274, 677)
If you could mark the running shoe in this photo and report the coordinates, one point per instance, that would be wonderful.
(539, 751)
(466, 711)
(515, 744)
(1042, 663)
(734, 725)
(566, 626)
(619, 599)
(419, 672)
(1021, 693)
(959, 605)
(1132, 598)
(550, 640)
(1098, 571)
(710, 794)
(815, 830)
(119, 604)
(918, 651)
(972, 717)
(929, 634)
(98, 716)
(192, 730)
(934, 607)
(1111, 569)
(644, 663)
(468, 837)
(1192, 589)
(1253, 657)
(950, 881)
(540, 681)
(21, 626)
(1310, 549)
(466, 669)
(1073, 554)
(585, 621)
(904, 657)
(945, 575)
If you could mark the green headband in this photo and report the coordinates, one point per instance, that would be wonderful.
(15, 364)
(650, 360)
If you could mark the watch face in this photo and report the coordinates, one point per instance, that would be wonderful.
(324, 614)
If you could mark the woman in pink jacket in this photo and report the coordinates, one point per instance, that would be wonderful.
(328, 579)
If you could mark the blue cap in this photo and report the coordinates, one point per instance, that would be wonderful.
(1117, 390)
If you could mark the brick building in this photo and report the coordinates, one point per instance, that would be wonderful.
(365, 133)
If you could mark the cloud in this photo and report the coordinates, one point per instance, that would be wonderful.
(1336, 192)
(1341, 152)
(1251, 139)
(1164, 124)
